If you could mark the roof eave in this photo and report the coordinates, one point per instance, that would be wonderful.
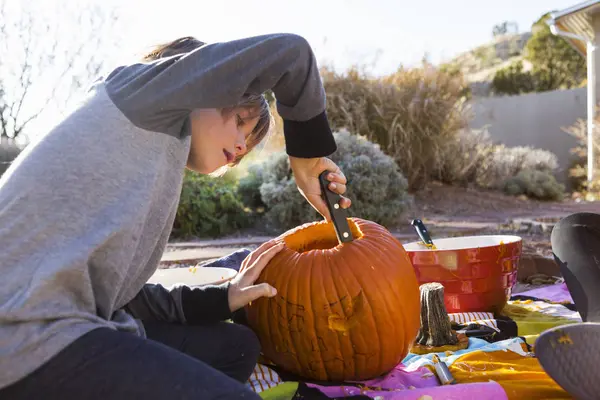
(574, 9)
(575, 20)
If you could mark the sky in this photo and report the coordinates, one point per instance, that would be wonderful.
(378, 35)
(381, 34)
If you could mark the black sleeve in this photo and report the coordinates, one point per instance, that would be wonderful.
(181, 304)
(205, 304)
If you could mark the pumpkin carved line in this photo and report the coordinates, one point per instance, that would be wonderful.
(341, 291)
(345, 339)
(371, 311)
(321, 360)
(286, 322)
(310, 294)
(360, 254)
(333, 303)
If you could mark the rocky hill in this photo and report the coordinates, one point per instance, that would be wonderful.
(480, 64)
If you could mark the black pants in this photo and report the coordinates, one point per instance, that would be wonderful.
(576, 247)
(175, 362)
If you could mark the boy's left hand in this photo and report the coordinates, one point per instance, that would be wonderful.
(242, 289)
(306, 172)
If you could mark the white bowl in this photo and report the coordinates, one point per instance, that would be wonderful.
(201, 276)
(464, 242)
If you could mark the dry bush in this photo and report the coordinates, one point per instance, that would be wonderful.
(503, 163)
(579, 170)
(461, 160)
(412, 114)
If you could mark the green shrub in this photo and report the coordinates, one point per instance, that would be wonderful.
(249, 187)
(541, 185)
(513, 80)
(286, 208)
(209, 207)
(412, 114)
(376, 186)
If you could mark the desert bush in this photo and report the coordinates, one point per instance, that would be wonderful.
(578, 170)
(474, 159)
(209, 207)
(504, 163)
(537, 184)
(375, 184)
(412, 114)
(9, 150)
(460, 161)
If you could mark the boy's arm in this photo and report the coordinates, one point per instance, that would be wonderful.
(181, 304)
(159, 95)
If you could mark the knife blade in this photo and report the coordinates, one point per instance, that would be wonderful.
(422, 232)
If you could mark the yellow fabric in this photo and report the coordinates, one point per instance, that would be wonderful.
(284, 391)
(532, 323)
(521, 377)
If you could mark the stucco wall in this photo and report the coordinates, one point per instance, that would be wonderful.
(535, 119)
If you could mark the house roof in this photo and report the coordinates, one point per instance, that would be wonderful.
(577, 20)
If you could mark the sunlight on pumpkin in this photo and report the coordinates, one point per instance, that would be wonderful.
(318, 237)
(355, 312)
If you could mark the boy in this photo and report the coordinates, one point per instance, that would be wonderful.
(86, 212)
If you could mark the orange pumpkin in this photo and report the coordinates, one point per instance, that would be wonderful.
(342, 311)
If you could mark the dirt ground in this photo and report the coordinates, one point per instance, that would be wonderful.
(454, 203)
(441, 203)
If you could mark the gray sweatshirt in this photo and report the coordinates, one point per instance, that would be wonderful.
(87, 209)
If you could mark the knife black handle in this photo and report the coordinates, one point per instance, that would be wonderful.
(422, 231)
(338, 214)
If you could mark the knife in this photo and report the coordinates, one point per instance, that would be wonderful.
(338, 214)
(422, 232)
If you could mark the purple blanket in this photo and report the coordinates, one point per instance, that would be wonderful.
(555, 293)
(402, 384)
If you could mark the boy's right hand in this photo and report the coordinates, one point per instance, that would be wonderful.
(242, 289)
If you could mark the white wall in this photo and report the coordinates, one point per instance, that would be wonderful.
(535, 119)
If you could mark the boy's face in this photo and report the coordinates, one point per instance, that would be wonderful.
(218, 139)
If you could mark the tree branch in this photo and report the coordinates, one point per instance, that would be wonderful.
(47, 52)
(25, 75)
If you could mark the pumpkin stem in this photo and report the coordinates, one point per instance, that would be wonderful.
(436, 329)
